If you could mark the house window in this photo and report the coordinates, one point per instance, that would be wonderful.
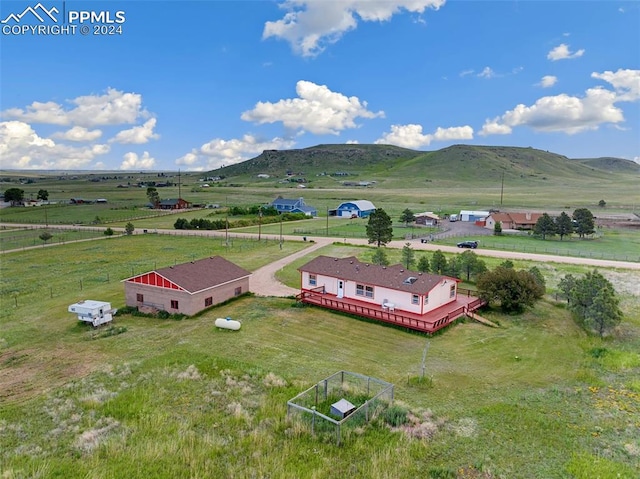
(362, 290)
(426, 299)
(174, 304)
(208, 301)
(238, 291)
(415, 299)
(452, 291)
(140, 298)
(313, 280)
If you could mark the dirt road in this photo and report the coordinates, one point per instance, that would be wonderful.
(264, 283)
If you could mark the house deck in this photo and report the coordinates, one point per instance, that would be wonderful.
(428, 323)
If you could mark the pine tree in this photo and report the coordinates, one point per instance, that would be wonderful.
(438, 263)
(585, 224)
(471, 264)
(379, 229)
(380, 257)
(564, 225)
(407, 217)
(408, 256)
(423, 264)
(545, 226)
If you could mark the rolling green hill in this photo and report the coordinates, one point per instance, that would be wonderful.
(399, 167)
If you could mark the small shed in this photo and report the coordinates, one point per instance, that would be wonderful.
(342, 408)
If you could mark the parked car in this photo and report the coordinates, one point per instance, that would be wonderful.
(468, 244)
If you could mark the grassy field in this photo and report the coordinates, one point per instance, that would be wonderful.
(16, 238)
(160, 398)
(621, 244)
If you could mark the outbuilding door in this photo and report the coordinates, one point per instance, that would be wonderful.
(340, 288)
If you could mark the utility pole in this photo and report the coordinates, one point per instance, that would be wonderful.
(280, 230)
(502, 189)
(259, 223)
(327, 233)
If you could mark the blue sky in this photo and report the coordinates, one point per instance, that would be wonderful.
(196, 85)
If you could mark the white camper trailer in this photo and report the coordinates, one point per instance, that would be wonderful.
(94, 312)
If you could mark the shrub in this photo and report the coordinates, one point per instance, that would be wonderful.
(396, 416)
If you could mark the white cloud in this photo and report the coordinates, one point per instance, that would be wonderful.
(79, 134)
(310, 25)
(138, 134)
(113, 108)
(219, 152)
(564, 113)
(352, 142)
(411, 136)
(487, 72)
(637, 159)
(625, 82)
(22, 148)
(493, 127)
(572, 114)
(317, 110)
(465, 73)
(134, 162)
(561, 52)
(548, 81)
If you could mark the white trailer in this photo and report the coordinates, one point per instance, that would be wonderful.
(94, 312)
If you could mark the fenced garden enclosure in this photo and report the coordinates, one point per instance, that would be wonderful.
(369, 396)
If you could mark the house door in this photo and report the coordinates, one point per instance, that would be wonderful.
(340, 288)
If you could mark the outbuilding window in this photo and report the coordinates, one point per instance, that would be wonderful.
(140, 298)
(208, 301)
(238, 291)
(313, 280)
(174, 304)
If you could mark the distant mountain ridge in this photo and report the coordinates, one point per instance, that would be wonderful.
(457, 161)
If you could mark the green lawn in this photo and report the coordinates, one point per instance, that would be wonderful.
(533, 398)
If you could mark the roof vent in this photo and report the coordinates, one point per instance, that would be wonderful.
(367, 264)
(410, 280)
(335, 259)
(350, 262)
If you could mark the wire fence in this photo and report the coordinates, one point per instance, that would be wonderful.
(542, 248)
(366, 398)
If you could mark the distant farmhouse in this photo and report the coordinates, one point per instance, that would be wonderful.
(428, 218)
(513, 221)
(285, 205)
(187, 288)
(353, 209)
(419, 301)
(173, 204)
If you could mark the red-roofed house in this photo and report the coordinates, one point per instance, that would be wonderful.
(425, 302)
(513, 221)
(187, 288)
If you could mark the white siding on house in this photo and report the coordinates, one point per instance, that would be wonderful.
(438, 296)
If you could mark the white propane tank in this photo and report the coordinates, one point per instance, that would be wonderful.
(228, 323)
